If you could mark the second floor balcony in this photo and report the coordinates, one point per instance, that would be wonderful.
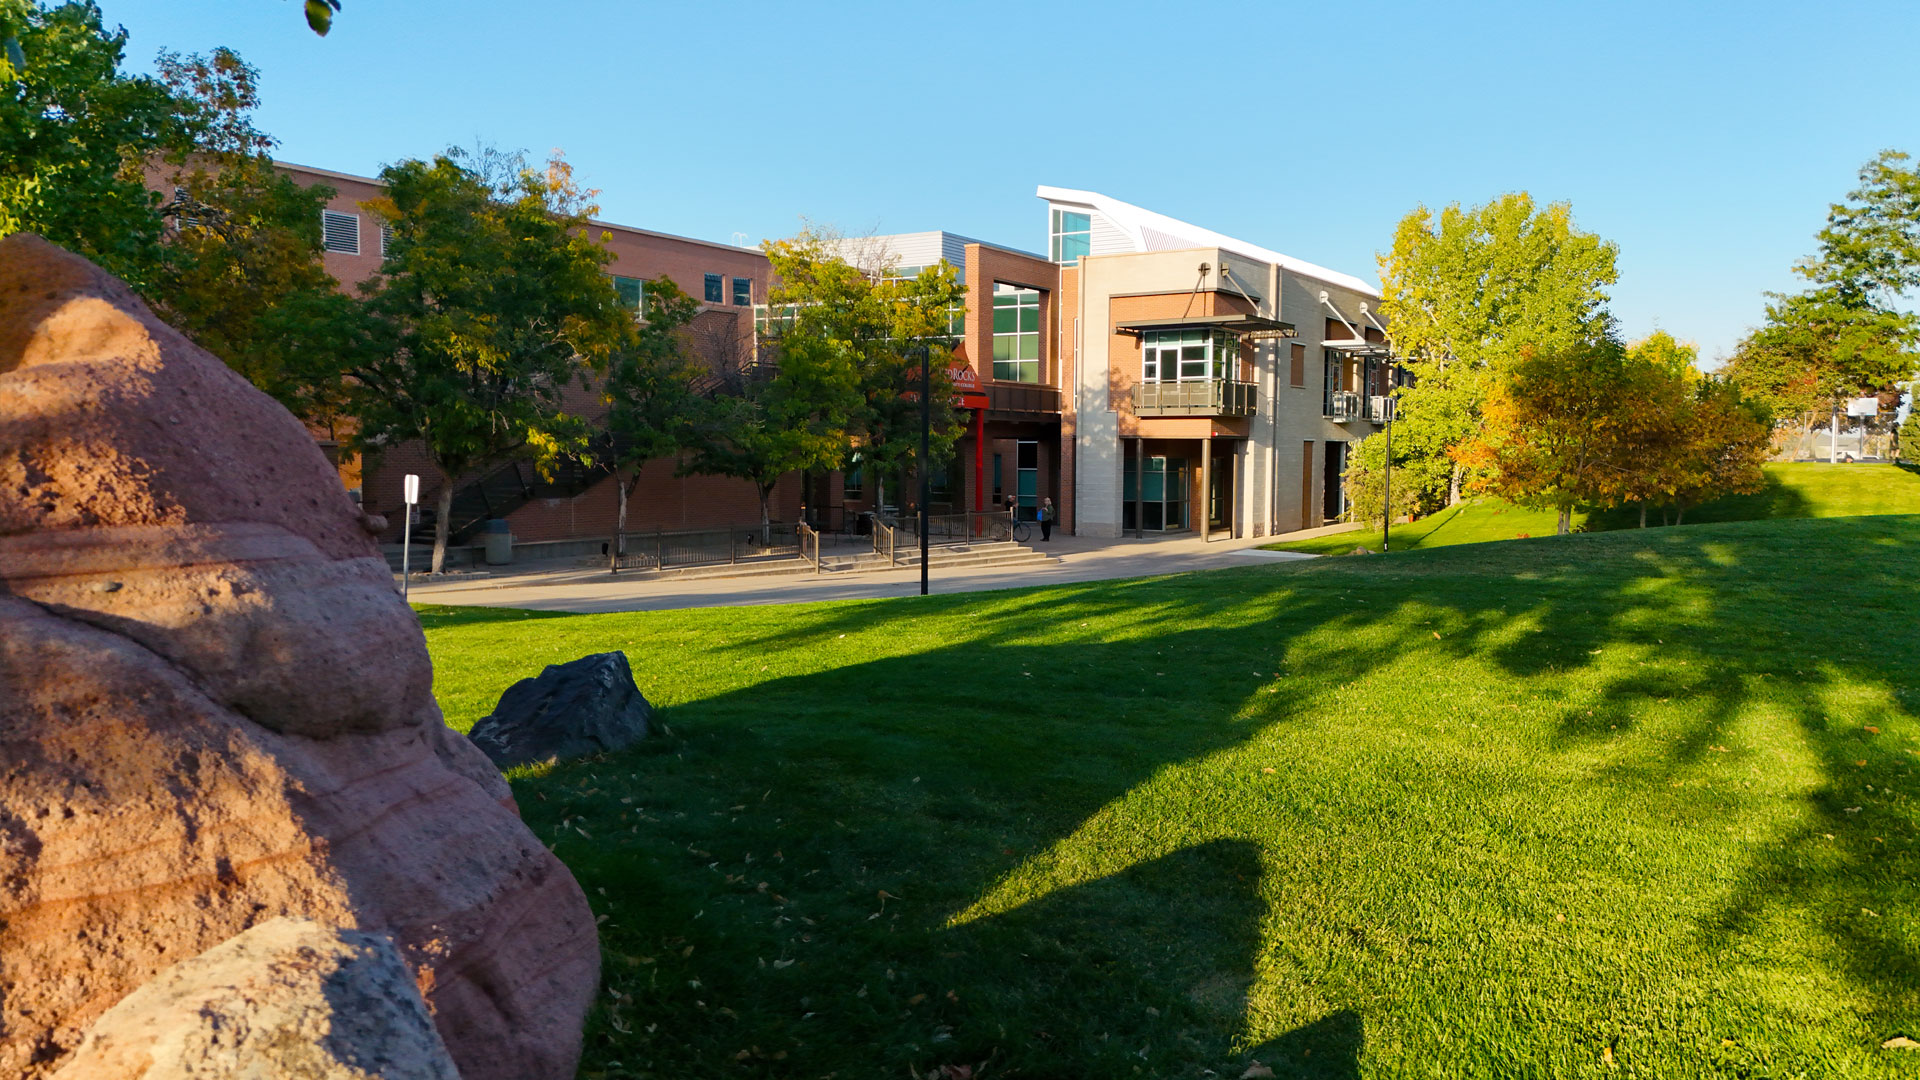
(1011, 397)
(1196, 397)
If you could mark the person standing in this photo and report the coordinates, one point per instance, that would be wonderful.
(1046, 519)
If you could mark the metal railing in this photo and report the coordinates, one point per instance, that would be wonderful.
(809, 545)
(884, 539)
(1196, 397)
(1343, 406)
(660, 549)
(968, 527)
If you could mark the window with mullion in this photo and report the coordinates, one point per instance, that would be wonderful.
(1016, 334)
(1072, 235)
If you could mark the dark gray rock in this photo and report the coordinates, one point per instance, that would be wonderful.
(585, 706)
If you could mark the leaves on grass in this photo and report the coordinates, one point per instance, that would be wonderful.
(1900, 1042)
(1255, 1071)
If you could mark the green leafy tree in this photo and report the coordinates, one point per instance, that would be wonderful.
(75, 135)
(1465, 293)
(773, 418)
(651, 389)
(490, 301)
(241, 271)
(878, 324)
(1366, 481)
(1849, 333)
(1909, 436)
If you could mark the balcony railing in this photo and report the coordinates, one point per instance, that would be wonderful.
(1345, 406)
(1022, 398)
(1198, 397)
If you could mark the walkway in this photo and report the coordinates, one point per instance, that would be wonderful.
(1081, 559)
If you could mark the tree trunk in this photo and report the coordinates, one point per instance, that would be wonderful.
(620, 523)
(1453, 487)
(443, 523)
(1566, 520)
(1643, 513)
(766, 522)
(1679, 512)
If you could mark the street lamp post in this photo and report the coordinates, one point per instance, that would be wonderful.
(926, 428)
(1386, 483)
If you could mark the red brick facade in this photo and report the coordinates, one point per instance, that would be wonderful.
(720, 332)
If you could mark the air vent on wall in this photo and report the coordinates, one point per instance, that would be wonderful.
(340, 232)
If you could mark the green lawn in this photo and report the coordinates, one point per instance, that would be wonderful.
(1794, 490)
(1644, 798)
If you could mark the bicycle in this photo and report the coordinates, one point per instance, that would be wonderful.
(1018, 532)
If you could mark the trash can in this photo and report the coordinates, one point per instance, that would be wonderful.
(499, 542)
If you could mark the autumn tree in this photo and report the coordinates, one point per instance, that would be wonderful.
(1558, 426)
(491, 300)
(1465, 292)
(651, 388)
(1724, 441)
(878, 324)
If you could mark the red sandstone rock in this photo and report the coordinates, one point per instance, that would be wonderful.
(214, 710)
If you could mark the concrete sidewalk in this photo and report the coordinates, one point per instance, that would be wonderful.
(580, 590)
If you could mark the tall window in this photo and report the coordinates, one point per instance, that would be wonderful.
(853, 485)
(1189, 355)
(1016, 333)
(1334, 362)
(742, 292)
(716, 289)
(772, 320)
(629, 290)
(1072, 236)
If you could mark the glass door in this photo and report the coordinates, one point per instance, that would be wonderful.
(1162, 488)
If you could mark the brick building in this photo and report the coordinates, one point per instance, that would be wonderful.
(728, 281)
(1146, 374)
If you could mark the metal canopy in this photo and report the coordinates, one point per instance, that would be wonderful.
(1359, 347)
(1237, 323)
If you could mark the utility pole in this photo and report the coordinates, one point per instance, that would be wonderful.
(926, 428)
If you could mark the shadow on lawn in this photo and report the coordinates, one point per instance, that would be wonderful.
(1093, 973)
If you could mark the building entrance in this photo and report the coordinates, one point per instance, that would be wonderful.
(1334, 492)
(1162, 491)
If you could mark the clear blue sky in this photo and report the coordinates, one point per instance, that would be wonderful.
(1706, 139)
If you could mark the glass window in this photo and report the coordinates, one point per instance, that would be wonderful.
(1189, 355)
(1016, 333)
(629, 290)
(742, 292)
(772, 320)
(716, 289)
(1072, 234)
(852, 484)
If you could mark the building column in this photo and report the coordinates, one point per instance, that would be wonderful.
(1206, 489)
(1139, 484)
(979, 459)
